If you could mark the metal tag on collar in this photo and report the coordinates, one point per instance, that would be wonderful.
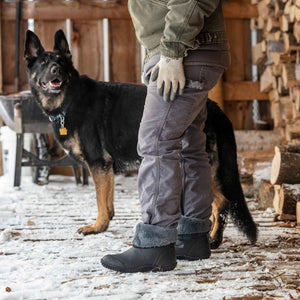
(51, 118)
(63, 130)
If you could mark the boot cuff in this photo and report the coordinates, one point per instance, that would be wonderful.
(152, 236)
(189, 225)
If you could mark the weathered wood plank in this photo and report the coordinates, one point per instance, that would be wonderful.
(123, 52)
(87, 48)
(8, 52)
(243, 90)
(46, 30)
(240, 113)
(90, 10)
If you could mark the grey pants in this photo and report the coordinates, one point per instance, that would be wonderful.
(174, 180)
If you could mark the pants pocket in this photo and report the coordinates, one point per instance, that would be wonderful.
(202, 77)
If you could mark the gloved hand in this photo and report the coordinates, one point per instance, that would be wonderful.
(170, 77)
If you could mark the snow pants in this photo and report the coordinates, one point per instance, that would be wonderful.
(174, 180)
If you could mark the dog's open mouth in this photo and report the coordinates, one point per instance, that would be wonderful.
(52, 85)
(55, 83)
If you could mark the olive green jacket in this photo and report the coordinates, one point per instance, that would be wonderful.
(171, 27)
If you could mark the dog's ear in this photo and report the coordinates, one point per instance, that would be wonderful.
(33, 46)
(61, 43)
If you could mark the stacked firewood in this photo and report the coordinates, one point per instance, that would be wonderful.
(283, 188)
(277, 56)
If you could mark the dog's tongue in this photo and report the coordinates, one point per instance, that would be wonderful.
(55, 83)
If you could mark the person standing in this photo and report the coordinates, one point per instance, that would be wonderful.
(186, 54)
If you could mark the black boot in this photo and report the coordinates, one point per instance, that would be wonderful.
(193, 246)
(142, 260)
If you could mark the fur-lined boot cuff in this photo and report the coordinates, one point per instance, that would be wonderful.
(189, 225)
(152, 236)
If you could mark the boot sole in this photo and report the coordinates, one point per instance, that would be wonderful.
(146, 268)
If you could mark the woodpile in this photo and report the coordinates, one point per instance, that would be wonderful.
(285, 179)
(277, 57)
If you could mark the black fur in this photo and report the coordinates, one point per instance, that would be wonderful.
(106, 118)
(219, 130)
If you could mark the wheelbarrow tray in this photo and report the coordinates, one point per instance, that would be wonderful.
(33, 120)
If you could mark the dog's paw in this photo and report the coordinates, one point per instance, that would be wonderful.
(111, 214)
(92, 229)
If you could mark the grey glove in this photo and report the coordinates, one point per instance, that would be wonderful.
(170, 77)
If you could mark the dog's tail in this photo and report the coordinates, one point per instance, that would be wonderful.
(227, 173)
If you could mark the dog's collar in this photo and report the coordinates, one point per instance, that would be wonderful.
(63, 130)
(59, 116)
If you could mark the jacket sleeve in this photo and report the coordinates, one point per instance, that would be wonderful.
(184, 21)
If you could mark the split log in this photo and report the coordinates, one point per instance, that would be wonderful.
(263, 10)
(276, 70)
(287, 7)
(273, 95)
(274, 46)
(296, 30)
(282, 91)
(298, 212)
(272, 25)
(297, 12)
(278, 9)
(285, 167)
(285, 24)
(276, 113)
(290, 148)
(286, 200)
(289, 75)
(297, 72)
(297, 98)
(266, 194)
(258, 52)
(282, 58)
(290, 42)
(287, 107)
(266, 80)
(292, 132)
(276, 196)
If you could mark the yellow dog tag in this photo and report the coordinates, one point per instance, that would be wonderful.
(63, 131)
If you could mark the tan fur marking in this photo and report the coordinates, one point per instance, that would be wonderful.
(217, 205)
(73, 144)
(104, 184)
(33, 75)
(51, 103)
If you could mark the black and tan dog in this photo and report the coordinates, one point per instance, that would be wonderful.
(97, 123)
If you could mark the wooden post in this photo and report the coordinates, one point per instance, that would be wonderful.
(88, 53)
(238, 31)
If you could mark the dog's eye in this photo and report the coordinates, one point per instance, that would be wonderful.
(43, 61)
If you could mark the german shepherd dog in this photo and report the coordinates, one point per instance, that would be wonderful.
(97, 123)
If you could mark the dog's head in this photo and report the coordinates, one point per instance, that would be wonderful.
(49, 72)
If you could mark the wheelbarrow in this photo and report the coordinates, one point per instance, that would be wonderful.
(21, 113)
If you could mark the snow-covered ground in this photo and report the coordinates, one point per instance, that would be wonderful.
(43, 257)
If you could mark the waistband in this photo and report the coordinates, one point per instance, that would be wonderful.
(211, 37)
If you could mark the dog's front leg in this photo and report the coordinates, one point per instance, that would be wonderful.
(104, 184)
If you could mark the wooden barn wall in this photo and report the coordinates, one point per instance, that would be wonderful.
(234, 92)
